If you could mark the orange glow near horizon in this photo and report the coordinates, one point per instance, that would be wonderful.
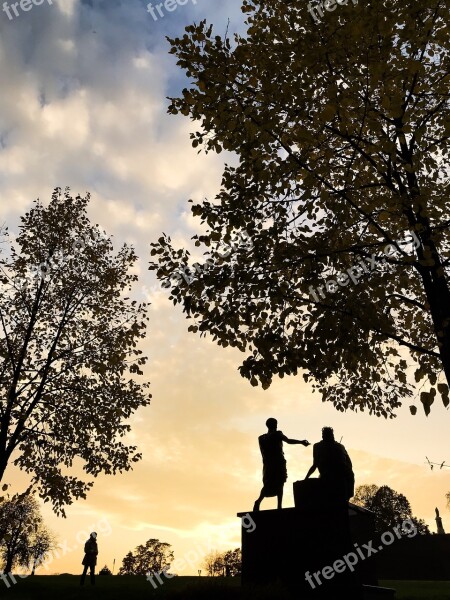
(202, 466)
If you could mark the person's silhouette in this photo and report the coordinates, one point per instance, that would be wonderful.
(274, 463)
(90, 558)
(335, 467)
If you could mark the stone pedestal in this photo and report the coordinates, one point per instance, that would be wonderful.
(291, 545)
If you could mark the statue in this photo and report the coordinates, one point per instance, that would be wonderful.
(440, 528)
(335, 467)
(274, 463)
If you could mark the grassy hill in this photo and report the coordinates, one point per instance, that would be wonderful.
(67, 587)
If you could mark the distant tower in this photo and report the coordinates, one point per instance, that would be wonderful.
(439, 526)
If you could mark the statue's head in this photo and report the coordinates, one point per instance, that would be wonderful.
(94, 535)
(328, 434)
(271, 424)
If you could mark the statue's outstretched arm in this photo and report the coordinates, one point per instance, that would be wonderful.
(289, 441)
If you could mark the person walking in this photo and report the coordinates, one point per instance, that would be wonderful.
(90, 558)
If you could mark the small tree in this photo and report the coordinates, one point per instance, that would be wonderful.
(128, 565)
(105, 571)
(232, 561)
(389, 507)
(41, 542)
(213, 564)
(68, 350)
(3, 509)
(24, 539)
(17, 517)
(152, 557)
(364, 495)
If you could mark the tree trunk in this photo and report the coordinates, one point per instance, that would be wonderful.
(9, 563)
(438, 297)
(439, 300)
(3, 464)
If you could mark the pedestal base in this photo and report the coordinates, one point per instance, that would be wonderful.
(308, 548)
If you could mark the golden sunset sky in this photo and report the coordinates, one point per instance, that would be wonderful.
(83, 104)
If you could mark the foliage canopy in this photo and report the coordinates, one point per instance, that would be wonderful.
(389, 507)
(69, 359)
(152, 557)
(341, 132)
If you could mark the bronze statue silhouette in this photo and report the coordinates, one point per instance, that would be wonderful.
(90, 558)
(274, 463)
(440, 527)
(335, 467)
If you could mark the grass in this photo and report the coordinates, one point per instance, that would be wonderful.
(67, 587)
(420, 590)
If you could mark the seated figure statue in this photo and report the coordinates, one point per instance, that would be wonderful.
(335, 468)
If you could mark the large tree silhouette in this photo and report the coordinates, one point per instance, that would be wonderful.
(341, 130)
(69, 359)
(389, 507)
(152, 557)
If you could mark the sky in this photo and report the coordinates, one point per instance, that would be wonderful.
(83, 103)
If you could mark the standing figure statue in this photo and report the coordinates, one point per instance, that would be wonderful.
(90, 558)
(335, 467)
(274, 463)
(440, 527)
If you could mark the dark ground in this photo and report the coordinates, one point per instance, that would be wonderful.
(66, 587)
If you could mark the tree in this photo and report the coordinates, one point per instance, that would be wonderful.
(128, 565)
(4, 521)
(232, 561)
(364, 495)
(17, 518)
(24, 538)
(213, 564)
(68, 350)
(389, 507)
(341, 131)
(227, 563)
(152, 557)
(41, 543)
(105, 571)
